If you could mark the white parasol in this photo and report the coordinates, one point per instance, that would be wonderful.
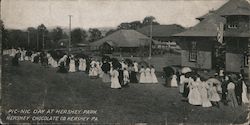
(186, 70)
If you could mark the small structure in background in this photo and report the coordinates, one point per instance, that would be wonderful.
(163, 34)
(123, 42)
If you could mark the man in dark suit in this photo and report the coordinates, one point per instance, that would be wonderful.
(238, 89)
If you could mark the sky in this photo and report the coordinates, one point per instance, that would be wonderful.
(20, 14)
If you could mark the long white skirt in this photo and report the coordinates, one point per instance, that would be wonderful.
(54, 63)
(174, 82)
(204, 98)
(194, 97)
(148, 78)
(115, 83)
(72, 67)
(244, 94)
(142, 78)
(82, 67)
(154, 78)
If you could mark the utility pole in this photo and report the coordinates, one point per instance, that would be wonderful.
(28, 39)
(37, 44)
(150, 42)
(69, 33)
(43, 41)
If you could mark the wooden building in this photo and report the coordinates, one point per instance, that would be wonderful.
(220, 39)
(162, 33)
(129, 42)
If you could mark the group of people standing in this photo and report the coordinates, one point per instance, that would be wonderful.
(147, 75)
(194, 89)
(111, 70)
(207, 93)
(121, 73)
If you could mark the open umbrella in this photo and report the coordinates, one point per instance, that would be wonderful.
(186, 70)
(214, 81)
(169, 71)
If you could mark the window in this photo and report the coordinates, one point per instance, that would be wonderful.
(246, 59)
(232, 26)
(193, 52)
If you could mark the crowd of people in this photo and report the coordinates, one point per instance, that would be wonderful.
(223, 88)
(195, 90)
(110, 70)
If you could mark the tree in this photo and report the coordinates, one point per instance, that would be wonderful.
(124, 26)
(110, 32)
(17, 38)
(78, 36)
(95, 34)
(135, 25)
(42, 36)
(132, 25)
(147, 21)
(5, 43)
(56, 34)
(32, 33)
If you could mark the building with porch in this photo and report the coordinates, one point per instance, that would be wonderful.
(220, 39)
(128, 42)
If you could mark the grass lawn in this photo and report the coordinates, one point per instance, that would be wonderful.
(31, 86)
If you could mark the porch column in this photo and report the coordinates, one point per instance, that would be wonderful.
(248, 67)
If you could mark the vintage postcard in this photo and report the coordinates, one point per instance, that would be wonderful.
(125, 62)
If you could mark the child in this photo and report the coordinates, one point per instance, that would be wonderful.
(174, 81)
(125, 77)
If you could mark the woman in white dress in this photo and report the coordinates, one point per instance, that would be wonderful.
(194, 96)
(98, 66)
(125, 76)
(84, 65)
(54, 63)
(203, 87)
(22, 55)
(213, 95)
(33, 56)
(114, 79)
(50, 61)
(174, 81)
(183, 79)
(26, 58)
(153, 76)
(93, 72)
(81, 67)
(231, 97)
(72, 66)
(142, 75)
(13, 52)
(136, 66)
(148, 77)
(244, 93)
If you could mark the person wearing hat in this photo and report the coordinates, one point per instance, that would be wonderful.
(238, 88)
(224, 84)
(72, 66)
(231, 93)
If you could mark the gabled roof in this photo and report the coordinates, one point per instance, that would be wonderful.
(208, 26)
(124, 38)
(238, 11)
(161, 30)
(205, 16)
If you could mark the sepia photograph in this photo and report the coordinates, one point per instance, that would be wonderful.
(125, 62)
